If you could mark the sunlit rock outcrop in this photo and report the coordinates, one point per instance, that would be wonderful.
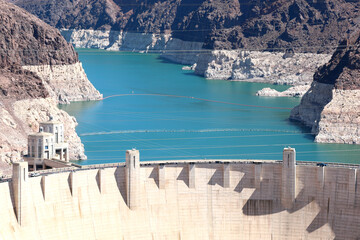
(331, 106)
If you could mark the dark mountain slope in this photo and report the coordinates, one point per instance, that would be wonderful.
(331, 106)
(302, 25)
(26, 40)
(343, 70)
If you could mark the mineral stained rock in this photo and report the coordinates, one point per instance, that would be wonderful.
(296, 91)
(38, 70)
(188, 32)
(331, 106)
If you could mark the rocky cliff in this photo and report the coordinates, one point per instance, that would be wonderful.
(38, 69)
(300, 26)
(25, 42)
(223, 24)
(260, 66)
(331, 106)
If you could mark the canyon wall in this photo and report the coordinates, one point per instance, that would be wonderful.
(330, 107)
(332, 114)
(274, 25)
(173, 49)
(186, 200)
(38, 70)
(272, 67)
(238, 65)
(66, 83)
(268, 41)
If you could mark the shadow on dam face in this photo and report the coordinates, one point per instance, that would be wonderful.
(332, 208)
(120, 181)
(239, 200)
(155, 175)
(256, 206)
(183, 176)
(215, 179)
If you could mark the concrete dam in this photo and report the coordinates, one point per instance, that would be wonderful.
(198, 199)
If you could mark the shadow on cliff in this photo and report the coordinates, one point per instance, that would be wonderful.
(164, 60)
(305, 130)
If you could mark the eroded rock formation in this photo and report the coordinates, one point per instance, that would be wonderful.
(38, 70)
(272, 67)
(26, 41)
(290, 27)
(331, 106)
(296, 91)
(223, 24)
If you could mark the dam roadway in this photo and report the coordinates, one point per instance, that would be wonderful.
(189, 199)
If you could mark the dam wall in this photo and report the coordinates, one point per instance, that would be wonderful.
(197, 199)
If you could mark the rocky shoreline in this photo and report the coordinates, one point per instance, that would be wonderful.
(236, 65)
(331, 106)
(172, 49)
(38, 70)
(332, 114)
(66, 83)
(295, 69)
(268, 67)
(340, 119)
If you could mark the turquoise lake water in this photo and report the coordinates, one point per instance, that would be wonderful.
(172, 127)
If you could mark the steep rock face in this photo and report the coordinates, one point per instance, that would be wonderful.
(273, 67)
(15, 85)
(27, 41)
(340, 119)
(66, 83)
(335, 118)
(19, 84)
(116, 40)
(173, 49)
(222, 24)
(312, 104)
(38, 69)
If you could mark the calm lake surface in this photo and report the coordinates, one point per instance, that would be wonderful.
(173, 127)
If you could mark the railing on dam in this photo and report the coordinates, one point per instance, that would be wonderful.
(208, 161)
(76, 167)
(328, 164)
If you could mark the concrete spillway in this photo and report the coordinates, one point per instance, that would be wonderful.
(237, 199)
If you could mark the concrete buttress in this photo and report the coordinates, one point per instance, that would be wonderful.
(20, 178)
(288, 188)
(133, 179)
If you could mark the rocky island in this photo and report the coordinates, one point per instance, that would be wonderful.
(38, 70)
